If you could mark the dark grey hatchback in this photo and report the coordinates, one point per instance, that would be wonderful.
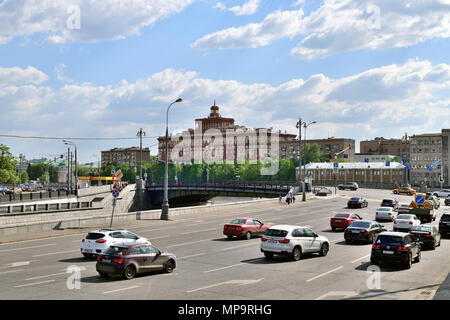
(128, 261)
(395, 247)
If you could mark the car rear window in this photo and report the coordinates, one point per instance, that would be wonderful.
(387, 201)
(421, 228)
(446, 217)
(116, 251)
(404, 216)
(276, 233)
(389, 240)
(360, 224)
(238, 221)
(384, 209)
(354, 199)
(94, 236)
(342, 215)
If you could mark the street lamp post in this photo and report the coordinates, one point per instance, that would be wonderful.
(140, 134)
(67, 142)
(304, 164)
(165, 206)
(299, 127)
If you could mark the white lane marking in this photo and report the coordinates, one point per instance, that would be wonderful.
(34, 283)
(123, 289)
(227, 267)
(159, 229)
(240, 282)
(53, 253)
(191, 256)
(25, 248)
(50, 275)
(11, 271)
(361, 258)
(187, 243)
(204, 230)
(18, 264)
(346, 294)
(240, 246)
(324, 274)
(162, 237)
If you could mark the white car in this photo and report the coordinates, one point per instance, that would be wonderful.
(384, 213)
(403, 208)
(444, 193)
(404, 222)
(292, 240)
(98, 241)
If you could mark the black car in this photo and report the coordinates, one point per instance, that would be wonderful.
(447, 201)
(395, 247)
(363, 230)
(427, 235)
(357, 202)
(128, 261)
(390, 203)
(444, 224)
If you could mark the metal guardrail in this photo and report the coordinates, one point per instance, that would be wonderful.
(44, 207)
(32, 196)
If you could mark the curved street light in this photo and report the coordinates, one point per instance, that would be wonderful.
(304, 162)
(165, 206)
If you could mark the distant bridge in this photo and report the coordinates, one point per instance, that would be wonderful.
(192, 193)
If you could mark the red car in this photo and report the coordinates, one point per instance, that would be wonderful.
(244, 227)
(343, 220)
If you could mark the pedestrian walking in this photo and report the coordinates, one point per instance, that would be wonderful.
(293, 199)
(280, 198)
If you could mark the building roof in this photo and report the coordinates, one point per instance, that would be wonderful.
(354, 165)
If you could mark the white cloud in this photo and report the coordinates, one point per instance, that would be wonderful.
(342, 25)
(18, 76)
(386, 101)
(98, 20)
(248, 8)
(59, 69)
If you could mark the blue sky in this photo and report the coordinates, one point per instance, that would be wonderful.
(359, 71)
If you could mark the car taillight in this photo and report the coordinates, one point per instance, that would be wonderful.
(118, 261)
(366, 232)
(377, 213)
(376, 246)
(284, 241)
(410, 222)
(100, 241)
(99, 258)
(402, 248)
(263, 239)
(83, 240)
(390, 214)
(429, 236)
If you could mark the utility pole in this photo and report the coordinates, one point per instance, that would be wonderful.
(68, 169)
(299, 127)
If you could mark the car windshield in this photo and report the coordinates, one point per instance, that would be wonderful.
(276, 233)
(238, 221)
(342, 215)
(404, 217)
(360, 224)
(94, 236)
(390, 240)
(421, 228)
(355, 199)
(114, 251)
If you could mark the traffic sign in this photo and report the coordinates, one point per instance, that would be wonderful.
(115, 193)
(335, 170)
(366, 159)
(420, 199)
(113, 172)
(119, 174)
(388, 164)
(408, 167)
(345, 156)
(335, 165)
(429, 169)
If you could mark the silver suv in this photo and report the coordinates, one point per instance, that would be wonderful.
(348, 185)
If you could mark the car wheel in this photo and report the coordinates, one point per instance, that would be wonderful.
(419, 255)
(433, 246)
(370, 239)
(103, 274)
(297, 253)
(333, 228)
(268, 255)
(408, 263)
(230, 237)
(248, 235)
(324, 250)
(170, 265)
(130, 272)
(87, 255)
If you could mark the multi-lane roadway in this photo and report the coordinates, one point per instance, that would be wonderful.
(212, 267)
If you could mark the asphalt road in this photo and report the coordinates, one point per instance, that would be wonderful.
(212, 267)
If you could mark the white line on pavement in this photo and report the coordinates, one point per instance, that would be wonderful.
(227, 267)
(25, 248)
(324, 274)
(242, 245)
(191, 256)
(204, 230)
(18, 264)
(11, 271)
(159, 229)
(34, 283)
(50, 275)
(162, 237)
(366, 256)
(112, 291)
(53, 253)
(187, 243)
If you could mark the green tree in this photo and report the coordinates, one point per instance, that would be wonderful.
(394, 159)
(23, 177)
(7, 166)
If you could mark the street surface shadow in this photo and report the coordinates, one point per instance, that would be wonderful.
(279, 259)
(225, 239)
(359, 244)
(116, 278)
(384, 267)
(78, 260)
(331, 231)
(379, 292)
